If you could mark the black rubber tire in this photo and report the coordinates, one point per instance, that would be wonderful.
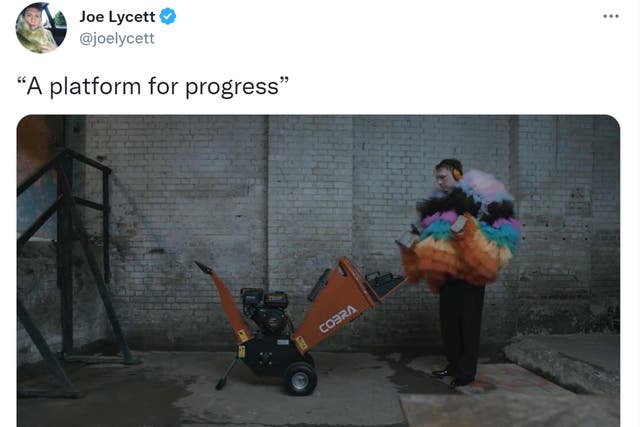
(300, 379)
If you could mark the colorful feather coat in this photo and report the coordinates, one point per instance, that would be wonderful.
(487, 243)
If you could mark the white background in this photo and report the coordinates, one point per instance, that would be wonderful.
(350, 57)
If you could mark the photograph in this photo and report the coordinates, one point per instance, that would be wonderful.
(41, 28)
(317, 270)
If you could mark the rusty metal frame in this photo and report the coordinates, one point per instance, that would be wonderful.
(66, 206)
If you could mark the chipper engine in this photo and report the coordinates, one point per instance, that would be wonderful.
(277, 348)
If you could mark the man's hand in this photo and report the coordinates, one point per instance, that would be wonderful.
(458, 235)
(457, 228)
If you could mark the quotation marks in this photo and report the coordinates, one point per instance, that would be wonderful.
(610, 15)
(284, 79)
(33, 84)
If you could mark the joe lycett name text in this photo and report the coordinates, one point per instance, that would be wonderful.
(118, 18)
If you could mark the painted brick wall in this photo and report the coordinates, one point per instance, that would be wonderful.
(38, 291)
(569, 208)
(183, 189)
(272, 201)
(310, 206)
(605, 200)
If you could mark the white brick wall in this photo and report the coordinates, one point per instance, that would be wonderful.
(310, 205)
(183, 189)
(569, 208)
(272, 201)
(38, 292)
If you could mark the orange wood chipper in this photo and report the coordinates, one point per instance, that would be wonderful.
(277, 348)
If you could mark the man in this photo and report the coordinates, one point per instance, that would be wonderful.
(467, 232)
(31, 34)
(460, 305)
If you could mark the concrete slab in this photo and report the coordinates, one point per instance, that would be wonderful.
(511, 378)
(588, 363)
(497, 409)
(506, 377)
(505, 394)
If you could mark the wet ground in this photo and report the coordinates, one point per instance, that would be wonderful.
(363, 389)
(178, 388)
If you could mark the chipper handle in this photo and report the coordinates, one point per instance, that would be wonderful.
(240, 328)
(204, 268)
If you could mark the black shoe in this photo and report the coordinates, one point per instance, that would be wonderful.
(457, 382)
(441, 374)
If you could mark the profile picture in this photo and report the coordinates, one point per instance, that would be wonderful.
(40, 27)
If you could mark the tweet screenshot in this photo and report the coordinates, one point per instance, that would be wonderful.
(337, 213)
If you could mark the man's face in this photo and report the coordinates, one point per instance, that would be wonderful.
(445, 179)
(33, 18)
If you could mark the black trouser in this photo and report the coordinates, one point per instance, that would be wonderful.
(460, 317)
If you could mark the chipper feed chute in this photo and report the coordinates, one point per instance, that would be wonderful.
(340, 296)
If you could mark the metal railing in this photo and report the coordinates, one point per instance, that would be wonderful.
(56, 161)
(69, 219)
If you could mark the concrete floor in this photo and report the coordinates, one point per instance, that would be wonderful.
(178, 388)
(393, 389)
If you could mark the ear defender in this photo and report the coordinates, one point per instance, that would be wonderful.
(457, 175)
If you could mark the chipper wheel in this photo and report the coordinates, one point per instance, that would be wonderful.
(300, 379)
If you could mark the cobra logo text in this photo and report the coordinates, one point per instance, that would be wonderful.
(337, 318)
